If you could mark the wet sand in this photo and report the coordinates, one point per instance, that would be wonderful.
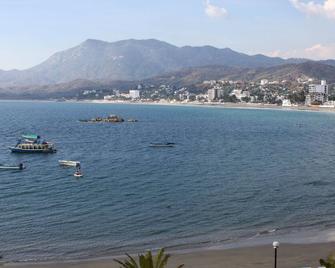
(289, 256)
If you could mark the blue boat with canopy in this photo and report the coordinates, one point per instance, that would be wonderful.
(31, 143)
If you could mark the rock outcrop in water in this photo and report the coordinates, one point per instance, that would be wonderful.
(110, 119)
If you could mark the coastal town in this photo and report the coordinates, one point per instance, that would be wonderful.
(167, 134)
(301, 92)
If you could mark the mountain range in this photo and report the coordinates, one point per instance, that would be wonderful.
(96, 62)
(290, 72)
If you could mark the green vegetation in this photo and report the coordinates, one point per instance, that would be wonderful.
(147, 261)
(329, 262)
(246, 99)
(297, 97)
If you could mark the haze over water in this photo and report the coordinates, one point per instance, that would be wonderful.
(234, 175)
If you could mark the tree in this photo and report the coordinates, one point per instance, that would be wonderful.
(246, 99)
(297, 97)
(279, 102)
(329, 262)
(147, 261)
(316, 102)
(232, 98)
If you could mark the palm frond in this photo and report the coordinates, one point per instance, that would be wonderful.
(148, 260)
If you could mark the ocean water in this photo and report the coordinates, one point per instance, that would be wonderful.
(235, 176)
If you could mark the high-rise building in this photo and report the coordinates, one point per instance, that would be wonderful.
(318, 93)
(220, 94)
(134, 94)
(212, 94)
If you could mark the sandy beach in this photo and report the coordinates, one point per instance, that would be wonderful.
(221, 105)
(289, 256)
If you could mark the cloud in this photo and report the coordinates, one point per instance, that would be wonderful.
(320, 51)
(315, 52)
(311, 8)
(214, 11)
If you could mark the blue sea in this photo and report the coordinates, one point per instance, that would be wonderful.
(235, 176)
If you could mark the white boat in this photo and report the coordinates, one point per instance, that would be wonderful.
(18, 167)
(78, 174)
(69, 163)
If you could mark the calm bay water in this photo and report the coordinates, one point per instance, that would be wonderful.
(234, 175)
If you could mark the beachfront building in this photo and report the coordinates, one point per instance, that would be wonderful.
(220, 93)
(108, 97)
(212, 94)
(286, 103)
(134, 94)
(239, 94)
(308, 100)
(318, 93)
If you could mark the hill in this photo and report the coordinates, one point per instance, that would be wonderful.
(292, 72)
(188, 77)
(129, 60)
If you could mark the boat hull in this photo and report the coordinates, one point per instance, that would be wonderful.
(68, 163)
(20, 167)
(31, 151)
(161, 146)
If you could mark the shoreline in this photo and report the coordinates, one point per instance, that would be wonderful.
(246, 106)
(289, 255)
(306, 239)
(226, 105)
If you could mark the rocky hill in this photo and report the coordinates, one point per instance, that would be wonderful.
(129, 60)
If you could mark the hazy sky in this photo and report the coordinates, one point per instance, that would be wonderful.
(32, 30)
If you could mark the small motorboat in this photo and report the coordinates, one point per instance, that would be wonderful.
(68, 163)
(7, 167)
(166, 144)
(78, 174)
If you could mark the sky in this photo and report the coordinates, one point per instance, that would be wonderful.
(32, 30)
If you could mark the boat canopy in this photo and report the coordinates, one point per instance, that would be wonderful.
(30, 137)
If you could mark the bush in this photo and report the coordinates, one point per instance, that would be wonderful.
(329, 262)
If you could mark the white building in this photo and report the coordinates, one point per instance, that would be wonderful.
(239, 94)
(116, 92)
(264, 82)
(308, 100)
(88, 92)
(134, 94)
(108, 97)
(319, 93)
(209, 82)
(212, 94)
(220, 93)
(286, 103)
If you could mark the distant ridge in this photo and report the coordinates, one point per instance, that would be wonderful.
(130, 60)
(187, 77)
(291, 72)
